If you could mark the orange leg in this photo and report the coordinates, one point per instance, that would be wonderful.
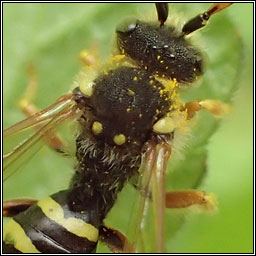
(186, 198)
(115, 240)
(28, 108)
(215, 107)
(87, 59)
(90, 57)
(13, 207)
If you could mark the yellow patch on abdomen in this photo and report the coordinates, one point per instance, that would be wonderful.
(76, 226)
(14, 234)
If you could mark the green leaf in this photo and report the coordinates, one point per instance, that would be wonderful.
(51, 35)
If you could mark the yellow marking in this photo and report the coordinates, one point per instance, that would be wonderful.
(131, 92)
(97, 127)
(128, 110)
(140, 115)
(87, 89)
(14, 234)
(135, 78)
(85, 81)
(161, 61)
(164, 125)
(158, 57)
(76, 226)
(118, 57)
(119, 139)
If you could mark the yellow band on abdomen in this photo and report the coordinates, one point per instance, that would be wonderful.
(76, 226)
(14, 234)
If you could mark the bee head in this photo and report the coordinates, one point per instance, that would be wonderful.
(160, 50)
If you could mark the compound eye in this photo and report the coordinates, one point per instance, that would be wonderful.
(198, 65)
(127, 27)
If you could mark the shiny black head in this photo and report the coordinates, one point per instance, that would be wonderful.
(160, 50)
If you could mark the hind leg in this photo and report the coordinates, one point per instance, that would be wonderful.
(115, 240)
(13, 207)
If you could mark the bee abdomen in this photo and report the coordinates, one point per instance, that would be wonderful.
(50, 227)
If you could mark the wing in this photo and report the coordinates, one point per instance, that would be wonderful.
(162, 155)
(152, 194)
(41, 123)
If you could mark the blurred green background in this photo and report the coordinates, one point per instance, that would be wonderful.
(52, 35)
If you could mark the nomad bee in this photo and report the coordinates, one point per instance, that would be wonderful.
(128, 114)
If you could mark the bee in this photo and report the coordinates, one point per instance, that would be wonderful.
(129, 114)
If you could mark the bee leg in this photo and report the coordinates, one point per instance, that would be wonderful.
(186, 198)
(91, 57)
(162, 12)
(87, 59)
(215, 107)
(201, 19)
(13, 207)
(28, 108)
(115, 240)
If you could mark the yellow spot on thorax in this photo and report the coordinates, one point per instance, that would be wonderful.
(87, 89)
(119, 139)
(164, 126)
(14, 234)
(76, 226)
(97, 128)
(131, 92)
(85, 81)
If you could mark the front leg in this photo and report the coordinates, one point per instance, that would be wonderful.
(215, 107)
(186, 198)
